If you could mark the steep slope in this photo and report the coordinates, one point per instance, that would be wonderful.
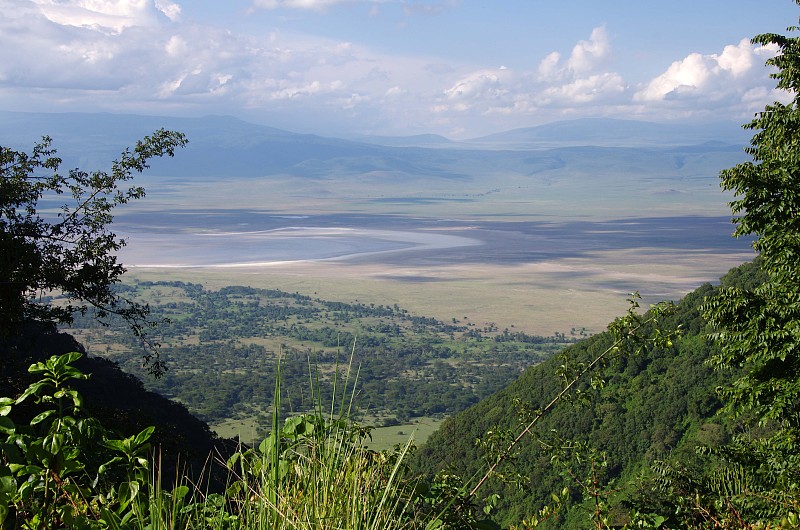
(184, 443)
(656, 404)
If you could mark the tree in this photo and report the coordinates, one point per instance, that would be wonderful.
(68, 249)
(757, 330)
(760, 328)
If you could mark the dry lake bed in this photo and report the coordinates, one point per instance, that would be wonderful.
(540, 276)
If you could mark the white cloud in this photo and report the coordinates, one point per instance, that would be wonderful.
(103, 15)
(725, 76)
(737, 60)
(425, 8)
(144, 56)
(588, 55)
(286, 90)
(298, 4)
(549, 66)
(682, 77)
(176, 46)
(580, 80)
(172, 10)
(352, 101)
(583, 90)
(485, 83)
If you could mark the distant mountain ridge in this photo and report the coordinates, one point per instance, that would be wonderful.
(416, 140)
(615, 132)
(91, 139)
(228, 131)
(589, 165)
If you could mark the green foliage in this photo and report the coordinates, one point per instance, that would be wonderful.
(71, 251)
(629, 339)
(65, 470)
(543, 450)
(753, 481)
(221, 347)
(760, 327)
(62, 468)
(315, 471)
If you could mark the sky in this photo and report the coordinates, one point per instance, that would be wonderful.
(459, 68)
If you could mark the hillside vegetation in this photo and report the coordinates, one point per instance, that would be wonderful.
(660, 403)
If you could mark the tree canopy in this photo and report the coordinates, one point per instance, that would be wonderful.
(55, 233)
(760, 328)
(757, 329)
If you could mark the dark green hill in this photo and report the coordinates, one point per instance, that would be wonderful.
(656, 404)
(184, 443)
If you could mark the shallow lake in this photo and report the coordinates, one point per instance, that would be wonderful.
(242, 237)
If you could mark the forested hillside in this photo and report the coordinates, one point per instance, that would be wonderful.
(657, 404)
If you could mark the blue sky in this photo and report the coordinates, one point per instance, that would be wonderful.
(459, 68)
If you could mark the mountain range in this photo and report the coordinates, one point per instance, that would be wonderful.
(598, 167)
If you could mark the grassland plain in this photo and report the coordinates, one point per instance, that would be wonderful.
(569, 223)
(418, 430)
(537, 298)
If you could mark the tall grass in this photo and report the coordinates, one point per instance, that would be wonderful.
(313, 471)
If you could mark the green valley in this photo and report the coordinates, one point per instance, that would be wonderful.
(221, 349)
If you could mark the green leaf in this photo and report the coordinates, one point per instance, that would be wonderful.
(6, 425)
(180, 492)
(110, 518)
(234, 458)
(69, 358)
(127, 492)
(115, 445)
(25, 470)
(143, 436)
(41, 417)
(77, 399)
(5, 405)
(8, 485)
(267, 445)
(32, 390)
(53, 443)
(434, 524)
